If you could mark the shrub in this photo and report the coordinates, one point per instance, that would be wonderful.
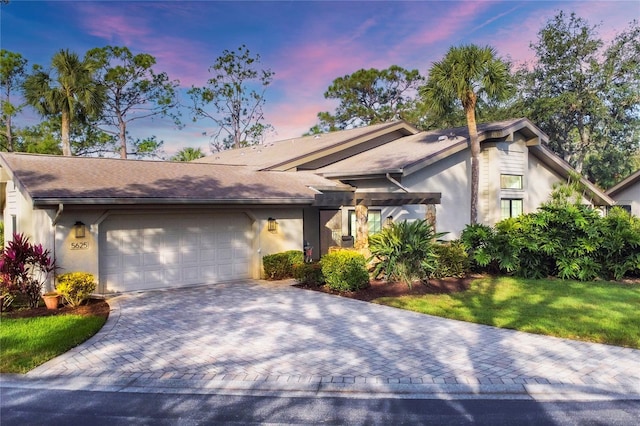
(404, 251)
(279, 266)
(308, 273)
(478, 240)
(25, 268)
(451, 260)
(345, 270)
(76, 287)
(619, 252)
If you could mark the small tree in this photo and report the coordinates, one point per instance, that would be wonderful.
(25, 268)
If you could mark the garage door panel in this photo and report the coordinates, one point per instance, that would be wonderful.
(144, 252)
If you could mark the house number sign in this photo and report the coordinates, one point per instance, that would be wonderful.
(80, 246)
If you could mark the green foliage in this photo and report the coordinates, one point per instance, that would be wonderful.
(233, 99)
(370, 96)
(345, 270)
(566, 240)
(279, 266)
(308, 273)
(76, 287)
(452, 260)
(188, 154)
(134, 90)
(12, 72)
(619, 252)
(584, 95)
(69, 90)
(404, 251)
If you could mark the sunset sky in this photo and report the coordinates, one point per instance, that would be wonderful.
(306, 43)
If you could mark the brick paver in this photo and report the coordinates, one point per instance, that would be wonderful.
(274, 333)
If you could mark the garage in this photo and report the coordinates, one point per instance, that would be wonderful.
(152, 251)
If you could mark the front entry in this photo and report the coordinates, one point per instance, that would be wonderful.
(330, 230)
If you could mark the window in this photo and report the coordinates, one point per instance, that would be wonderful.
(510, 207)
(374, 218)
(511, 181)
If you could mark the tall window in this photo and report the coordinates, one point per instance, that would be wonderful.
(511, 181)
(374, 218)
(511, 207)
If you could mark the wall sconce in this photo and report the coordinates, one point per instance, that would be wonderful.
(389, 221)
(272, 225)
(79, 229)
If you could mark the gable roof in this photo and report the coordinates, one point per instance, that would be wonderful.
(624, 184)
(412, 153)
(290, 154)
(49, 180)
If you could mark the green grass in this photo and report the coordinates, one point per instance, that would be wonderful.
(26, 343)
(601, 312)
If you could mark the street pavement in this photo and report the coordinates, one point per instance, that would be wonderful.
(269, 338)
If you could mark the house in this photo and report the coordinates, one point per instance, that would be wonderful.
(517, 173)
(141, 225)
(626, 193)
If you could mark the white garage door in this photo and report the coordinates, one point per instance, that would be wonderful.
(141, 252)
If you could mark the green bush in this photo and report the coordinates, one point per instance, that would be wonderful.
(345, 270)
(451, 260)
(308, 273)
(279, 266)
(404, 251)
(76, 287)
(565, 240)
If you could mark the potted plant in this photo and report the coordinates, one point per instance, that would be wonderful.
(25, 268)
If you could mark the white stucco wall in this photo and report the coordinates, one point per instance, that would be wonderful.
(631, 197)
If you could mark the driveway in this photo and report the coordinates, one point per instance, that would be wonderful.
(261, 336)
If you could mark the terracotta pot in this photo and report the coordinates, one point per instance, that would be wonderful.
(51, 300)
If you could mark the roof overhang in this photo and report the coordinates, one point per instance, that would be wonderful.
(54, 202)
(624, 184)
(344, 198)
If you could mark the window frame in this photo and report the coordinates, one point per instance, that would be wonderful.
(352, 229)
(511, 205)
(520, 181)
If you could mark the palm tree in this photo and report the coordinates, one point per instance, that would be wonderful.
(467, 73)
(69, 90)
(188, 154)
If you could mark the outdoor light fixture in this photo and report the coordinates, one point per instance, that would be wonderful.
(389, 221)
(272, 225)
(79, 228)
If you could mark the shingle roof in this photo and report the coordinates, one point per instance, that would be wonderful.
(624, 184)
(271, 154)
(53, 179)
(406, 154)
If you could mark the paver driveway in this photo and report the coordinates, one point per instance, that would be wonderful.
(266, 332)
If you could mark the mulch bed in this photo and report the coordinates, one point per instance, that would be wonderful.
(93, 307)
(379, 288)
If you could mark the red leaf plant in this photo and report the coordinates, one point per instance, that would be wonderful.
(25, 268)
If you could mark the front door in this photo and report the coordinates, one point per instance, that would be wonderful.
(330, 229)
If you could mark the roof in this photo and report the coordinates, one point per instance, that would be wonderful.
(289, 153)
(411, 153)
(624, 184)
(49, 180)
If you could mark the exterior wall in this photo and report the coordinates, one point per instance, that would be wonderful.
(540, 182)
(631, 197)
(450, 177)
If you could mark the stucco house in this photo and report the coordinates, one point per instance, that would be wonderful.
(140, 225)
(626, 193)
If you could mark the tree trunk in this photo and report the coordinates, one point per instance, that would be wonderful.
(122, 135)
(362, 227)
(430, 215)
(475, 161)
(9, 134)
(65, 130)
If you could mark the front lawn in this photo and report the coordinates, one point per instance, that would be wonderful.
(26, 343)
(601, 312)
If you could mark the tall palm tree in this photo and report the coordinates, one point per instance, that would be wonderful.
(467, 73)
(69, 90)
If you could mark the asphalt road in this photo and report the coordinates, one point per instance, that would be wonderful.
(20, 406)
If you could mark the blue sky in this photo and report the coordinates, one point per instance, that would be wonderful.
(306, 43)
